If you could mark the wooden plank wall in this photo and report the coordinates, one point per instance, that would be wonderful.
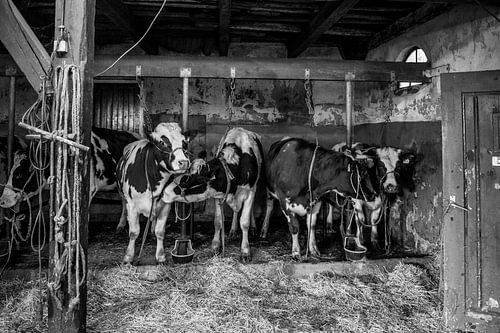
(116, 106)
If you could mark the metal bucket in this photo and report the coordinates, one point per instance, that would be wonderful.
(183, 252)
(353, 250)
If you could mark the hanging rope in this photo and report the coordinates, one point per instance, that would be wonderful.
(69, 257)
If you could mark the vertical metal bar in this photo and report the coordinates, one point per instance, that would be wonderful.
(477, 171)
(349, 99)
(185, 101)
(466, 199)
(185, 74)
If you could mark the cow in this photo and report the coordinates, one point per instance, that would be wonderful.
(106, 149)
(231, 176)
(391, 168)
(301, 175)
(146, 167)
(18, 146)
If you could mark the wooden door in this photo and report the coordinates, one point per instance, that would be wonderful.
(471, 192)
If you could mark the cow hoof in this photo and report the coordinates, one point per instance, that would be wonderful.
(127, 260)
(119, 229)
(233, 234)
(216, 248)
(296, 256)
(263, 235)
(245, 258)
(330, 230)
(376, 245)
(315, 253)
(161, 259)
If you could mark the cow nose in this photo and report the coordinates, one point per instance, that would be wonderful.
(3, 203)
(392, 188)
(184, 164)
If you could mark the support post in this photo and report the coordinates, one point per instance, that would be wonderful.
(77, 17)
(349, 105)
(12, 121)
(185, 74)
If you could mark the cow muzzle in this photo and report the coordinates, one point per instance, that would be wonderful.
(391, 188)
(180, 166)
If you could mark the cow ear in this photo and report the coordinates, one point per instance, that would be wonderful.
(408, 158)
(190, 135)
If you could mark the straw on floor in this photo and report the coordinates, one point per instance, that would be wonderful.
(223, 295)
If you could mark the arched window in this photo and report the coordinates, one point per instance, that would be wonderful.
(415, 55)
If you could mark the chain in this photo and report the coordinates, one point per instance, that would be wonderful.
(232, 97)
(147, 123)
(308, 98)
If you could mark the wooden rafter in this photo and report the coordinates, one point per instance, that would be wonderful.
(421, 15)
(328, 16)
(118, 13)
(224, 19)
(22, 44)
(264, 68)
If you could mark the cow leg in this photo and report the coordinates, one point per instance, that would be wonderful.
(360, 221)
(216, 241)
(311, 227)
(245, 225)
(134, 229)
(233, 233)
(161, 221)
(293, 226)
(329, 220)
(123, 217)
(253, 225)
(265, 224)
(375, 215)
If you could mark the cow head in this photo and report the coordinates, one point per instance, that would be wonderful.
(388, 158)
(21, 181)
(169, 139)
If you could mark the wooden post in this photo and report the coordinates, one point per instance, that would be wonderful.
(12, 121)
(77, 16)
(349, 104)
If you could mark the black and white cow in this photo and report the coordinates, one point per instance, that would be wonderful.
(19, 146)
(391, 168)
(146, 168)
(106, 149)
(333, 173)
(233, 175)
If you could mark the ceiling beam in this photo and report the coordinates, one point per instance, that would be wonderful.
(328, 16)
(117, 12)
(255, 68)
(22, 44)
(224, 19)
(421, 15)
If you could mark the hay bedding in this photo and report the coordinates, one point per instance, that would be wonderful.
(222, 295)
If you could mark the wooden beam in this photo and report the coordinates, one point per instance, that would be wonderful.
(421, 15)
(22, 44)
(224, 19)
(255, 68)
(328, 16)
(66, 312)
(118, 13)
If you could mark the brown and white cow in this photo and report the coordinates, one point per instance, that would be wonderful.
(106, 149)
(291, 182)
(146, 168)
(233, 175)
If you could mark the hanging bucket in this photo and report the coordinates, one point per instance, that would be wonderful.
(183, 252)
(353, 250)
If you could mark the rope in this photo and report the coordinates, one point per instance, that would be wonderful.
(145, 232)
(138, 42)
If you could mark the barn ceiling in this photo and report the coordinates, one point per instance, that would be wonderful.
(209, 26)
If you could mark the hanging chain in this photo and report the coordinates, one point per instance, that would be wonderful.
(308, 89)
(146, 117)
(232, 98)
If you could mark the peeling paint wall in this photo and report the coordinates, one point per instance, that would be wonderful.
(466, 39)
